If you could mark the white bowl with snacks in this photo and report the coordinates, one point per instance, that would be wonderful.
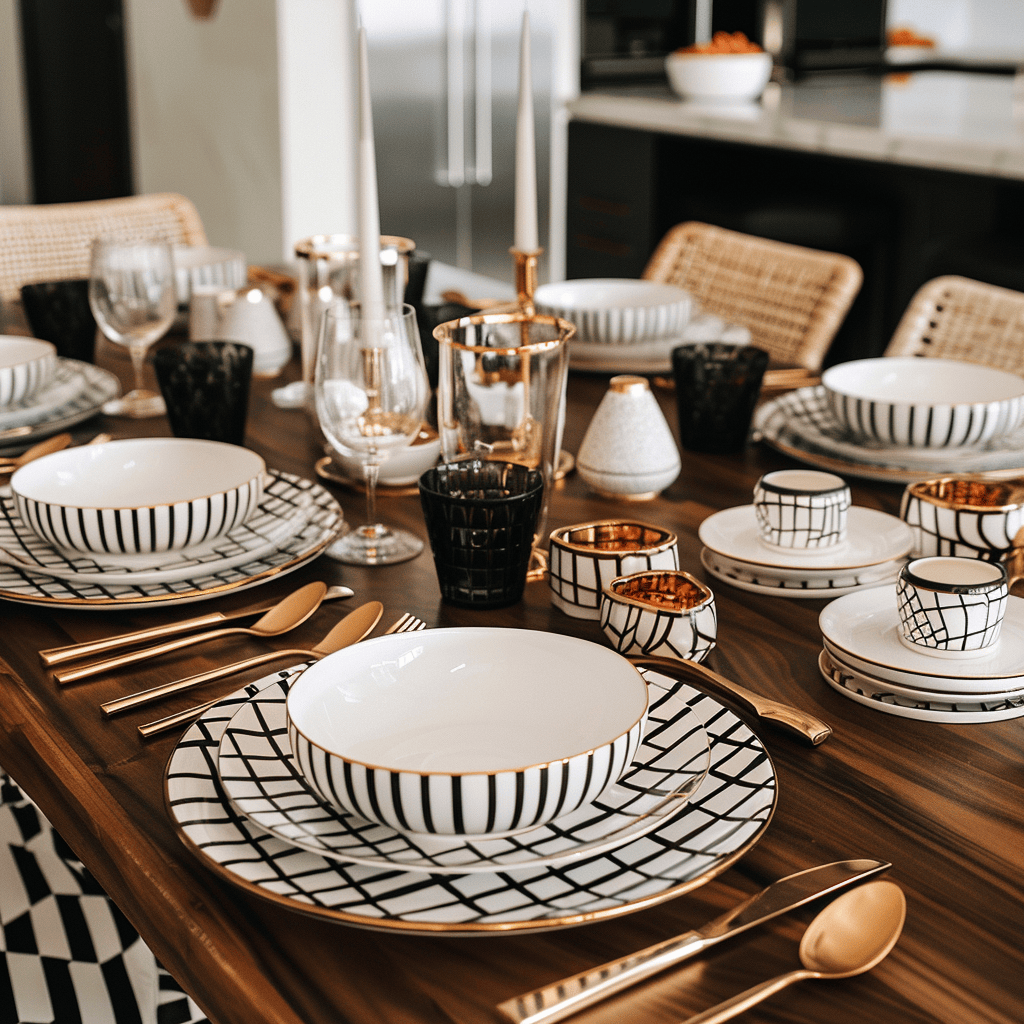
(26, 366)
(467, 731)
(139, 496)
(719, 77)
(924, 403)
(616, 311)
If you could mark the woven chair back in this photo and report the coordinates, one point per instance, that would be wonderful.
(792, 299)
(52, 242)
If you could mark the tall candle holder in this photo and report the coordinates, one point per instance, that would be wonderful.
(525, 278)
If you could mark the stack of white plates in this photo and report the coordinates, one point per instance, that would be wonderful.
(874, 550)
(864, 660)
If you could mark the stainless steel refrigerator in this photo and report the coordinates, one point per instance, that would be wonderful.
(444, 82)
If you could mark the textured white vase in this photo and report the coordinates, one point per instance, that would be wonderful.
(628, 450)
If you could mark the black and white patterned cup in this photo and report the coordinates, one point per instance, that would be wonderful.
(951, 607)
(963, 517)
(801, 509)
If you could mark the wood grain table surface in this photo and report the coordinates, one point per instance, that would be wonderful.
(943, 803)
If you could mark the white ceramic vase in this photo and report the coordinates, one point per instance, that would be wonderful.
(628, 450)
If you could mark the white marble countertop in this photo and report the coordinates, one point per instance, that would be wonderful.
(950, 120)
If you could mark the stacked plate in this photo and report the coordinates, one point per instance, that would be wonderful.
(239, 799)
(74, 393)
(874, 550)
(864, 659)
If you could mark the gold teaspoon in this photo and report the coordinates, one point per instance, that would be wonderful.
(288, 613)
(52, 444)
(850, 936)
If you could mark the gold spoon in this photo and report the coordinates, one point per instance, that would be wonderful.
(348, 630)
(850, 936)
(288, 613)
(37, 451)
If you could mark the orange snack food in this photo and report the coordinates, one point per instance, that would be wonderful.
(723, 42)
(907, 37)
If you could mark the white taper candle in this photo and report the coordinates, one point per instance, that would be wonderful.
(371, 278)
(525, 238)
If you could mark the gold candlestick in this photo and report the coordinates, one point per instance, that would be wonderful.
(526, 278)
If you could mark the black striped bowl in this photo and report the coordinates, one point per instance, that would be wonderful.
(139, 496)
(924, 403)
(471, 731)
(26, 365)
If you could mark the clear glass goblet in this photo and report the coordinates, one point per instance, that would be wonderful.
(133, 297)
(371, 390)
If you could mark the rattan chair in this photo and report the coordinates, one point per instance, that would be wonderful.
(791, 299)
(52, 242)
(957, 318)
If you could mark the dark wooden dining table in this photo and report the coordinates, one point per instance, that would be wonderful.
(944, 803)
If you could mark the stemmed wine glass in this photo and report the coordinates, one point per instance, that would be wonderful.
(371, 390)
(133, 297)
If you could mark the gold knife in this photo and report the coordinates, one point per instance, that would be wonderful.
(562, 998)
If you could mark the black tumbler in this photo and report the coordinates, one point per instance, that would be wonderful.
(717, 386)
(59, 312)
(481, 518)
(205, 385)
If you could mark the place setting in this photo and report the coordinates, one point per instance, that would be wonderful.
(802, 537)
(964, 418)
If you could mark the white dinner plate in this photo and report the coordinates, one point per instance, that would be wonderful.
(872, 537)
(724, 818)
(77, 392)
(736, 577)
(865, 626)
(295, 521)
(875, 695)
(261, 778)
(799, 424)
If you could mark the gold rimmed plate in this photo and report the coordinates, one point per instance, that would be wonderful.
(721, 822)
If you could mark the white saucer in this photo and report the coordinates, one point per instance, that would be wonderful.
(875, 695)
(924, 692)
(737, 575)
(872, 537)
(865, 626)
(260, 777)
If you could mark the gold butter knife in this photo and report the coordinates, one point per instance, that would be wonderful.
(800, 723)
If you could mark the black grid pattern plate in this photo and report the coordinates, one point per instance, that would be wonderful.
(77, 392)
(725, 817)
(799, 424)
(295, 521)
(261, 778)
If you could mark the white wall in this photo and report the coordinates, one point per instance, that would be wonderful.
(985, 25)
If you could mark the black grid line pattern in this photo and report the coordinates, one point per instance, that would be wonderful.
(260, 776)
(67, 954)
(578, 579)
(963, 533)
(801, 420)
(726, 816)
(843, 678)
(295, 521)
(839, 579)
(658, 631)
(950, 622)
(790, 520)
(932, 426)
(76, 393)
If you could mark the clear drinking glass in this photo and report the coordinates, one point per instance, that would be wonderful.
(371, 391)
(133, 297)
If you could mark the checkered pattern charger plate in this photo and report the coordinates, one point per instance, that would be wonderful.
(799, 424)
(222, 567)
(725, 817)
(261, 778)
(77, 393)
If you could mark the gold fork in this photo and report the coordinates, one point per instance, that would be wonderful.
(408, 623)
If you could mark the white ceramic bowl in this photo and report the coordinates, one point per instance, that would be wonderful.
(924, 403)
(466, 731)
(139, 496)
(404, 466)
(730, 77)
(616, 311)
(26, 365)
